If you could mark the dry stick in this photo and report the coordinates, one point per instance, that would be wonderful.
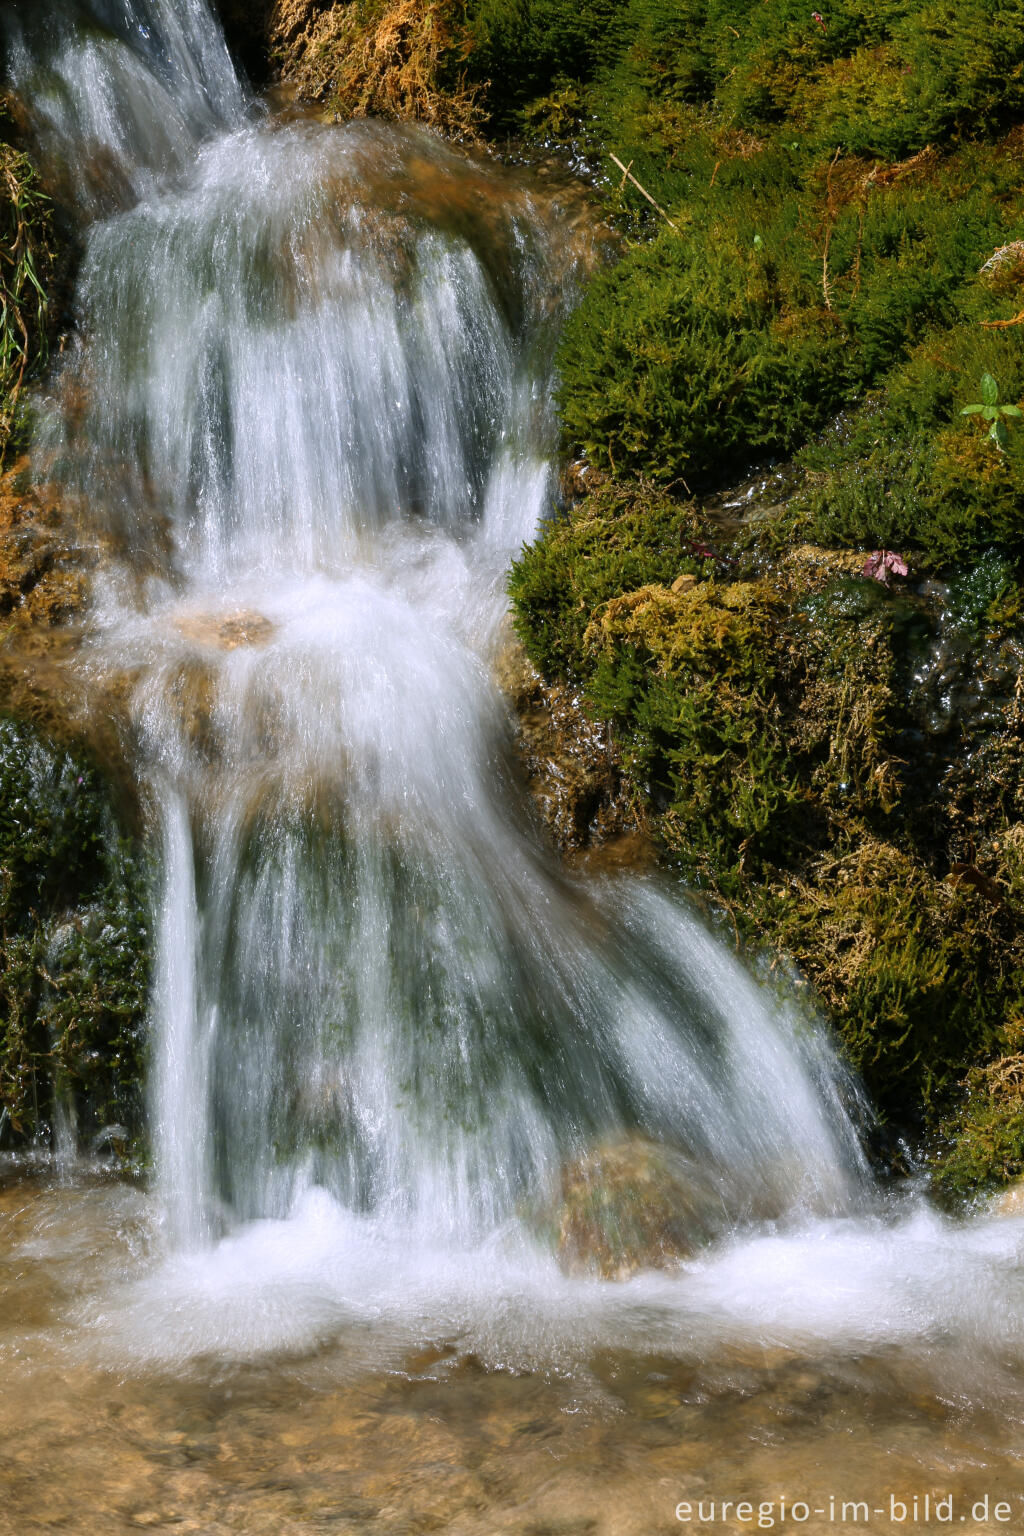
(1002, 325)
(828, 233)
(626, 172)
(860, 247)
(824, 266)
(714, 173)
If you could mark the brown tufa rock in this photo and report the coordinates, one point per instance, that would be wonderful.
(41, 580)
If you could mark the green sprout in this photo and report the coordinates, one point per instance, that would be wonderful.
(989, 409)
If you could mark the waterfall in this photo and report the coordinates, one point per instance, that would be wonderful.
(307, 410)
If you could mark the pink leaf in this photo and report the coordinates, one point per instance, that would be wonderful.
(883, 563)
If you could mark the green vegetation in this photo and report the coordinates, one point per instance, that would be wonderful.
(73, 943)
(836, 260)
(690, 683)
(778, 302)
(990, 410)
(620, 538)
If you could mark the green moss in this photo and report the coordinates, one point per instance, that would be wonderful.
(521, 48)
(73, 942)
(918, 973)
(616, 539)
(779, 298)
(800, 271)
(845, 732)
(880, 77)
(688, 681)
(689, 353)
(982, 1144)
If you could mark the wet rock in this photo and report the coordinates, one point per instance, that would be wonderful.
(247, 28)
(633, 1205)
(573, 770)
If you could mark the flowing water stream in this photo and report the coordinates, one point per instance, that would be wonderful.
(306, 412)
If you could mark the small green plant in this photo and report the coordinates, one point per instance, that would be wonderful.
(989, 409)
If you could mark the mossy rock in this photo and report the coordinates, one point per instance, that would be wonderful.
(984, 1139)
(688, 680)
(74, 948)
(919, 974)
(616, 539)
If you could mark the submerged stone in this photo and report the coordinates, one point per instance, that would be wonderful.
(632, 1205)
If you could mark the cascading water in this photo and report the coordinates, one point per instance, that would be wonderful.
(306, 413)
(313, 411)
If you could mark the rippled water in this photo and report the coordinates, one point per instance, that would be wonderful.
(272, 1388)
(307, 413)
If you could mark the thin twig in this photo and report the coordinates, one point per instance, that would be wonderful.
(828, 233)
(626, 172)
(860, 247)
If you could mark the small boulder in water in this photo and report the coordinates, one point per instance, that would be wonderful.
(632, 1205)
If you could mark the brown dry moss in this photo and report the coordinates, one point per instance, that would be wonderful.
(378, 58)
(27, 267)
